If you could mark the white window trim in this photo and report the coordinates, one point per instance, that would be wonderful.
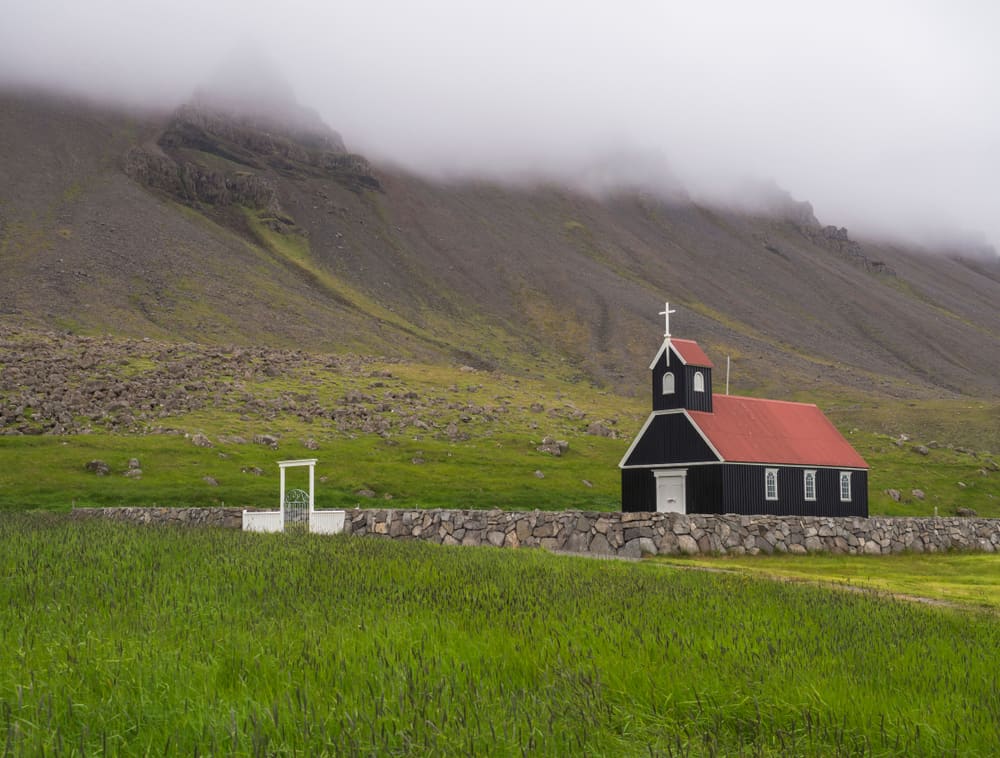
(768, 473)
(806, 476)
(845, 476)
(668, 375)
(699, 381)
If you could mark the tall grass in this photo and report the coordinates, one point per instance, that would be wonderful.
(128, 640)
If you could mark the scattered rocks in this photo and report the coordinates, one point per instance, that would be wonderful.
(965, 512)
(364, 493)
(918, 494)
(310, 444)
(98, 467)
(133, 463)
(133, 473)
(254, 470)
(200, 440)
(894, 494)
(920, 449)
(210, 481)
(587, 483)
(269, 440)
(539, 474)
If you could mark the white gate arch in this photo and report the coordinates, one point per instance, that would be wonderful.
(323, 522)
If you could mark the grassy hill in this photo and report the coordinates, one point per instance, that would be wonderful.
(194, 226)
(172, 274)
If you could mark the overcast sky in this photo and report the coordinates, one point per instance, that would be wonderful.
(884, 115)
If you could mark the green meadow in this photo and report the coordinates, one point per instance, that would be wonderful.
(121, 640)
(469, 439)
(967, 579)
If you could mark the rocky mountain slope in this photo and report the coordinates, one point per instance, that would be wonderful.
(217, 227)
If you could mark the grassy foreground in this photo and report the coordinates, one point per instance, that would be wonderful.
(129, 640)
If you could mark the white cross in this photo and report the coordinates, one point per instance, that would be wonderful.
(666, 315)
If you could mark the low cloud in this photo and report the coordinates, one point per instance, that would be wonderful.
(884, 116)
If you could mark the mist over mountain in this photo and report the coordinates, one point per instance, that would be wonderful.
(882, 117)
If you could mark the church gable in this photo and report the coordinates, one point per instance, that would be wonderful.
(668, 438)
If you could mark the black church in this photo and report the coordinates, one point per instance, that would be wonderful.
(700, 452)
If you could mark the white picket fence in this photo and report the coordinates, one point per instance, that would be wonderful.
(320, 522)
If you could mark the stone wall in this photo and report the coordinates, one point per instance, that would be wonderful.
(627, 534)
(633, 534)
(227, 518)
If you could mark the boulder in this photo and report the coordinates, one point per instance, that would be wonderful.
(200, 440)
(598, 429)
(553, 446)
(98, 467)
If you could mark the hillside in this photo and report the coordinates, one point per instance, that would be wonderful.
(199, 225)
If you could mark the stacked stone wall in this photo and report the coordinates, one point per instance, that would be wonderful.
(226, 518)
(634, 534)
(628, 535)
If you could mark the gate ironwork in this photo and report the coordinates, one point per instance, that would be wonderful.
(296, 508)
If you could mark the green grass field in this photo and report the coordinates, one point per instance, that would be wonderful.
(968, 579)
(126, 640)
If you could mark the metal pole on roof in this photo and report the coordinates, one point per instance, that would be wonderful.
(727, 374)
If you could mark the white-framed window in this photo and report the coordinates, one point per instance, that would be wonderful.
(809, 482)
(845, 486)
(771, 484)
(699, 381)
(668, 383)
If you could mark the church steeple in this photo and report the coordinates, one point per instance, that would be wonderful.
(681, 373)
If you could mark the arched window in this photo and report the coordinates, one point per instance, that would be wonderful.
(699, 381)
(668, 383)
(810, 484)
(845, 486)
(771, 484)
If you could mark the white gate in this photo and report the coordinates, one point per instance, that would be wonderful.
(297, 508)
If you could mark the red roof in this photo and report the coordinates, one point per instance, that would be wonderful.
(691, 353)
(750, 430)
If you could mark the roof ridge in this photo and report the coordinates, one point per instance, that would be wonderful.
(764, 400)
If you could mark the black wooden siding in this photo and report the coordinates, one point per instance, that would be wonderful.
(739, 488)
(670, 438)
(743, 485)
(683, 395)
(703, 489)
(638, 490)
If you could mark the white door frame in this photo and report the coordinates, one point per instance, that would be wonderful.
(671, 490)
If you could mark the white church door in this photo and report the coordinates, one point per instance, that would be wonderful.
(671, 490)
